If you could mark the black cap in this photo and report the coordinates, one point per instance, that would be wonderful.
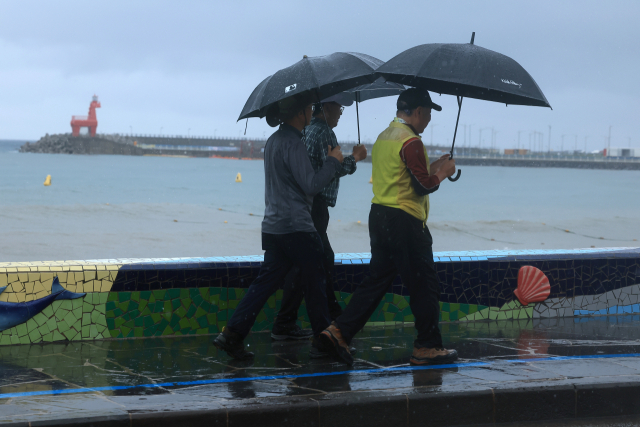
(415, 97)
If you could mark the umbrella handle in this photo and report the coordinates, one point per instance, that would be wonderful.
(456, 178)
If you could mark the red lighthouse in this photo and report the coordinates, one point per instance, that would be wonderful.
(90, 121)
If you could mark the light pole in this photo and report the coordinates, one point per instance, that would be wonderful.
(480, 136)
(549, 138)
(609, 140)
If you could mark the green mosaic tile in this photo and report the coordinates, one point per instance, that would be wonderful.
(402, 304)
(113, 296)
(191, 311)
(31, 325)
(35, 335)
(135, 296)
(159, 294)
(22, 330)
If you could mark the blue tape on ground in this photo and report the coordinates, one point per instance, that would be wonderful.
(317, 374)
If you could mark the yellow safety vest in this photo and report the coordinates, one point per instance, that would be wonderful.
(391, 178)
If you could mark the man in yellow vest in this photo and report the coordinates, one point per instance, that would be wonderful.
(400, 240)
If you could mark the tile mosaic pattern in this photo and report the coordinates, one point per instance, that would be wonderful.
(177, 296)
(70, 320)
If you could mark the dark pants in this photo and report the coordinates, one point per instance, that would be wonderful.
(400, 243)
(293, 288)
(282, 252)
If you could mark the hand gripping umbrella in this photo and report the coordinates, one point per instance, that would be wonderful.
(322, 76)
(464, 70)
(378, 89)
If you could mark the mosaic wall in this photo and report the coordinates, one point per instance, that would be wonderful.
(134, 298)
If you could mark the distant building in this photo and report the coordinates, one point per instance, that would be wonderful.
(621, 152)
(511, 151)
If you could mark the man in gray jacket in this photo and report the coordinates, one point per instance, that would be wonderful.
(289, 237)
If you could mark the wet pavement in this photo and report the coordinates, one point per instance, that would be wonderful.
(508, 371)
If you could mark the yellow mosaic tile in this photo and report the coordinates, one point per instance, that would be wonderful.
(3, 280)
(23, 277)
(106, 286)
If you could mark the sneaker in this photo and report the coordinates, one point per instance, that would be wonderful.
(319, 351)
(426, 356)
(294, 333)
(332, 338)
(232, 344)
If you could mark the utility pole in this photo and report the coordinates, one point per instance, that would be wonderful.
(519, 132)
(549, 149)
(464, 142)
(609, 140)
(494, 139)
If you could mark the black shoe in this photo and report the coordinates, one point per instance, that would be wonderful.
(319, 351)
(294, 333)
(233, 345)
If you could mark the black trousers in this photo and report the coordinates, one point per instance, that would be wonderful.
(293, 291)
(400, 243)
(282, 252)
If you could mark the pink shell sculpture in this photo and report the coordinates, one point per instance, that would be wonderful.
(533, 285)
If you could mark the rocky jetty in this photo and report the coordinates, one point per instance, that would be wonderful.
(68, 144)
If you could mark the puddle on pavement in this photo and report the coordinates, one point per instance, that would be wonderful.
(128, 364)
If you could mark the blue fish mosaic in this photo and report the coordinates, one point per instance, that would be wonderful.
(15, 313)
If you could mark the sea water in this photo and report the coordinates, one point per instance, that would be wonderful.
(568, 198)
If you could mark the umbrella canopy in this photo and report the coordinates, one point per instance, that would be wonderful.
(323, 76)
(378, 89)
(466, 70)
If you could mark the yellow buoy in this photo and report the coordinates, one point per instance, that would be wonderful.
(238, 177)
(47, 181)
(371, 180)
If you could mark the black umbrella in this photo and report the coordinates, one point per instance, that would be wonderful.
(323, 76)
(378, 89)
(464, 70)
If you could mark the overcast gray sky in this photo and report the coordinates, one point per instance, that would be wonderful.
(189, 66)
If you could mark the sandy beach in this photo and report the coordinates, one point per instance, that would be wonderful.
(166, 230)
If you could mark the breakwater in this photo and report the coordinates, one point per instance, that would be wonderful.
(246, 148)
(551, 162)
(136, 298)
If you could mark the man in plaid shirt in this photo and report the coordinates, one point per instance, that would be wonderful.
(318, 137)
